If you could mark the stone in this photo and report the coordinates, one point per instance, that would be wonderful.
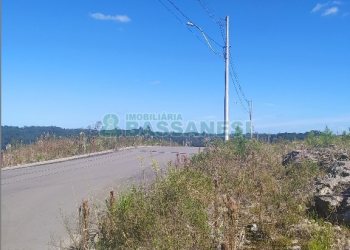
(254, 228)
(332, 192)
(292, 157)
(327, 205)
(294, 242)
(343, 157)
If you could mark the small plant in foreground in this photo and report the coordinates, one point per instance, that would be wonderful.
(322, 238)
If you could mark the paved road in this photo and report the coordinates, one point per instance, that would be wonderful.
(33, 199)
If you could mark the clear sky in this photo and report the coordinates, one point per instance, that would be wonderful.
(70, 62)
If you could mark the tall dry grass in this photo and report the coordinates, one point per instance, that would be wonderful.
(50, 147)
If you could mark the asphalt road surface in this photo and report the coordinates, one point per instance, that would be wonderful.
(34, 200)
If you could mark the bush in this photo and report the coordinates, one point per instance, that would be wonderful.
(239, 141)
(170, 215)
(324, 139)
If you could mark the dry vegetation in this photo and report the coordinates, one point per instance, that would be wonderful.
(50, 147)
(232, 196)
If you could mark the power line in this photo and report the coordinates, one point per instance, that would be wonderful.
(209, 45)
(233, 75)
(207, 10)
(216, 20)
(222, 29)
(236, 79)
(170, 11)
(180, 11)
(181, 21)
(184, 16)
(238, 95)
(212, 39)
(239, 91)
(213, 17)
(190, 20)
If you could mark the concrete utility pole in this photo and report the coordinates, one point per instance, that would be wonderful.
(226, 101)
(251, 118)
(227, 64)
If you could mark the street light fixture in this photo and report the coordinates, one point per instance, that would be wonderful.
(203, 34)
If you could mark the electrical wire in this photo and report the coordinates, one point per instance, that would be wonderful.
(238, 95)
(180, 11)
(209, 45)
(233, 75)
(217, 21)
(171, 12)
(213, 17)
(213, 40)
(190, 20)
(236, 79)
(181, 21)
(204, 34)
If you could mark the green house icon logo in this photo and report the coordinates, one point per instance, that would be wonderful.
(110, 122)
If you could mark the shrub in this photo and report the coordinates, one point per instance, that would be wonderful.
(324, 139)
(322, 238)
(171, 214)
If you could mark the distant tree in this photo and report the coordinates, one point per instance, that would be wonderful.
(239, 141)
(238, 132)
(327, 137)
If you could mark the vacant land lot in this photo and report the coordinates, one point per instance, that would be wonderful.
(236, 195)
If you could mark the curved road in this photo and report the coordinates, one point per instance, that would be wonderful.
(34, 200)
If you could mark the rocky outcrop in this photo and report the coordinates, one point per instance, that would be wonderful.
(331, 193)
(323, 157)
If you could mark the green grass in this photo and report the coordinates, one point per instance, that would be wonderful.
(173, 208)
(321, 239)
(327, 138)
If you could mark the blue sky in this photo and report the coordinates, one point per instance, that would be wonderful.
(68, 63)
